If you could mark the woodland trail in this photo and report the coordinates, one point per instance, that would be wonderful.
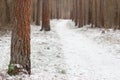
(66, 53)
(85, 59)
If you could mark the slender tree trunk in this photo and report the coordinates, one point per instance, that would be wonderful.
(116, 18)
(45, 16)
(80, 14)
(20, 43)
(84, 13)
(96, 25)
(57, 8)
(38, 13)
(119, 19)
(7, 12)
(73, 11)
(101, 13)
(90, 12)
(76, 13)
(51, 11)
(34, 11)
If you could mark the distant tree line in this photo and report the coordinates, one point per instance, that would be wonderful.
(98, 13)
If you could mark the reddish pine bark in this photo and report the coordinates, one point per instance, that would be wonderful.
(20, 42)
(45, 16)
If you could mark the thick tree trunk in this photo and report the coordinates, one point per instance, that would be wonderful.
(20, 43)
(38, 13)
(45, 16)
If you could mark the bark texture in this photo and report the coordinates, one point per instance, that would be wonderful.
(20, 42)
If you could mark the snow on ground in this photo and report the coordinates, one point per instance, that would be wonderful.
(87, 59)
(68, 53)
(4, 49)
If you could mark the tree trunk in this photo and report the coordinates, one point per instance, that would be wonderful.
(20, 42)
(84, 13)
(38, 13)
(116, 18)
(90, 12)
(96, 25)
(76, 13)
(7, 12)
(33, 11)
(80, 14)
(57, 8)
(102, 13)
(45, 16)
(72, 10)
(119, 19)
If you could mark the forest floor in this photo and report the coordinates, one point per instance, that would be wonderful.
(68, 53)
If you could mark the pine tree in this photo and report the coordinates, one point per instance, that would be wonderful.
(95, 22)
(80, 14)
(20, 42)
(90, 12)
(45, 16)
(102, 13)
(38, 13)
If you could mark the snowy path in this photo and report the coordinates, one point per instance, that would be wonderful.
(85, 59)
(66, 53)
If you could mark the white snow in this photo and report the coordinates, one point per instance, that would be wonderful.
(68, 53)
